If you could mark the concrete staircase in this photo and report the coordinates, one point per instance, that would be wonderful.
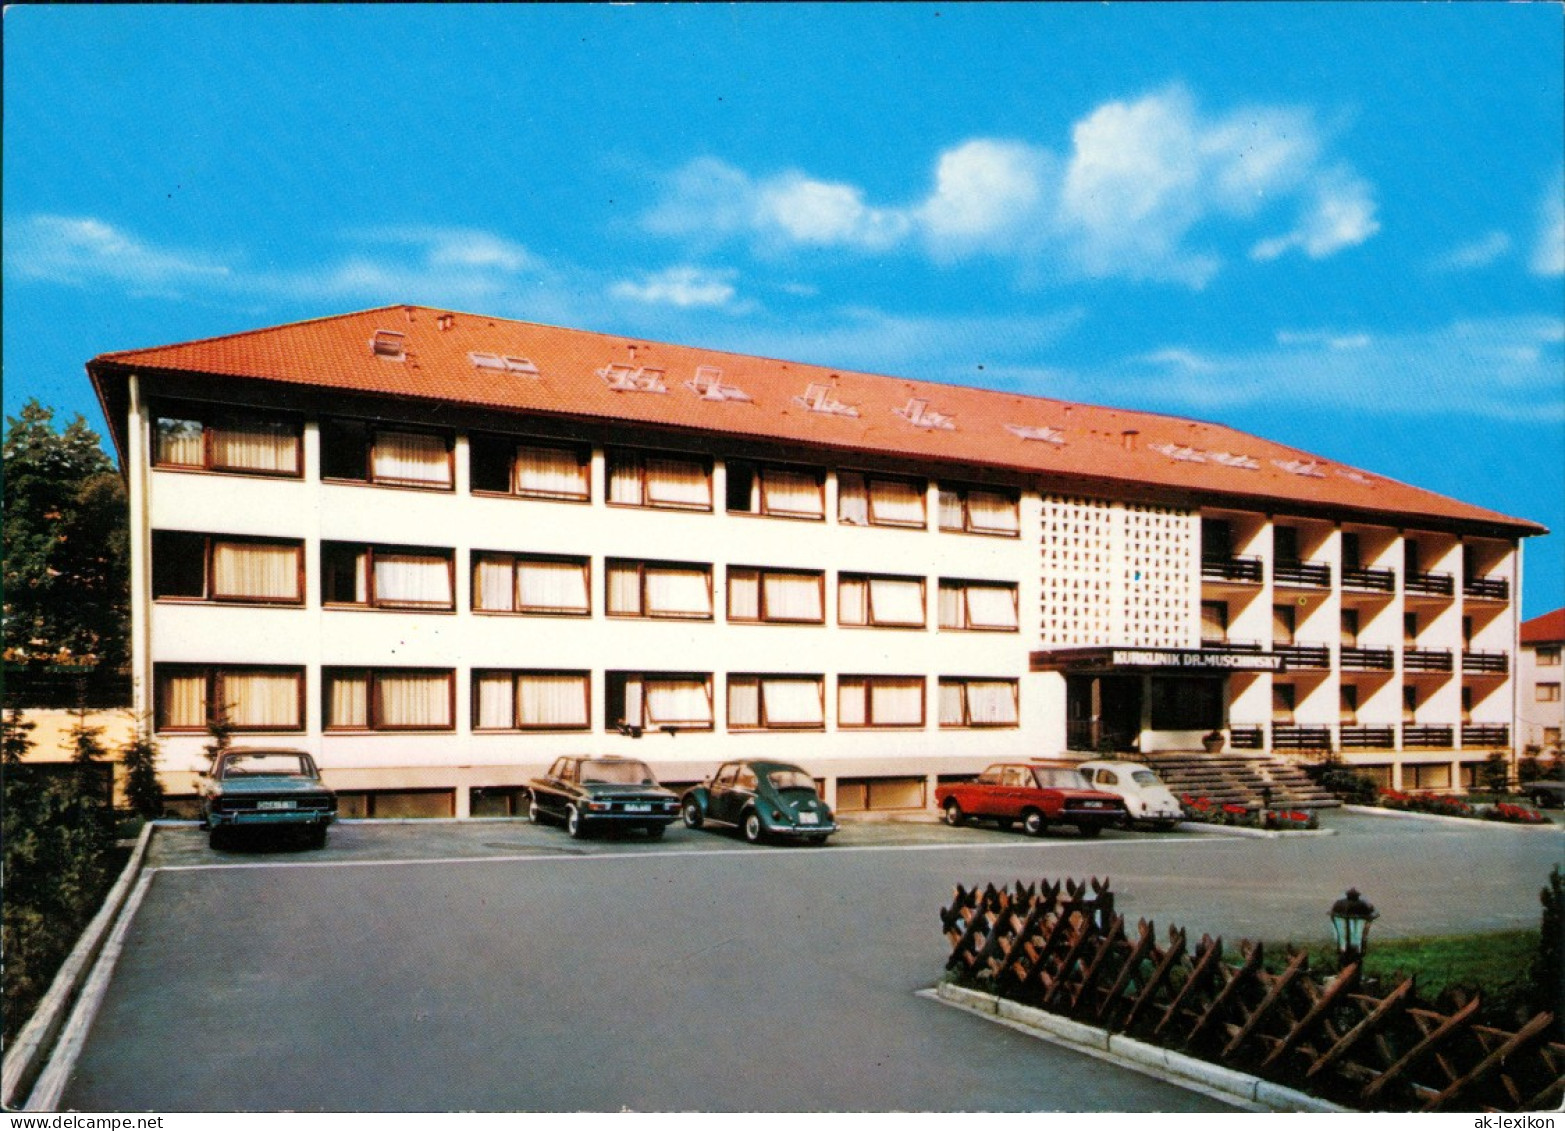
(1238, 779)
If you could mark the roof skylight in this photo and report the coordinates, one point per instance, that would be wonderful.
(1355, 476)
(633, 378)
(1037, 432)
(503, 363)
(390, 345)
(918, 413)
(1307, 468)
(821, 398)
(1233, 459)
(708, 382)
(1180, 452)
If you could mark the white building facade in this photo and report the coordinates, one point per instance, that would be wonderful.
(1541, 715)
(438, 551)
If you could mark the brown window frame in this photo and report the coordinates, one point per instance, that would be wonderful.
(212, 419)
(208, 547)
(757, 471)
(372, 674)
(761, 574)
(965, 583)
(371, 601)
(869, 479)
(758, 678)
(517, 727)
(582, 452)
(214, 674)
(618, 678)
(961, 491)
(868, 681)
(612, 458)
(372, 431)
(644, 564)
(517, 609)
(869, 620)
(963, 681)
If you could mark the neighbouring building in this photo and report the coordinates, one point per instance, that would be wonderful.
(439, 549)
(1541, 714)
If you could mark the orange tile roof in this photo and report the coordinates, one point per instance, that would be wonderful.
(954, 424)
(1547, 629)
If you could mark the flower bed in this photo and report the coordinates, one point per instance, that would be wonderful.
(1437, 803)
(1514, 814)
(1206, 811)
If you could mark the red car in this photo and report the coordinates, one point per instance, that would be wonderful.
(1037, 795)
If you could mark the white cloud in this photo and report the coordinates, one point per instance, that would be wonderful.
(683, 287)
(807, 211)
(1548, 253)
(76, 249)
(1327, 338)
(1340, 214)
(1474, 254)
(983, 189)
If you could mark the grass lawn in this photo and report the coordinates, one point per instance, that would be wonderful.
(1496, 962)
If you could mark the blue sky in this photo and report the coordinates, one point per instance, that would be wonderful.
(1338, 226)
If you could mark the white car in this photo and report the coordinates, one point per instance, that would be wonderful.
(1146, 798)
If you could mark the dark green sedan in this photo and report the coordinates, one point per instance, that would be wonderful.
(763, 800)
(584, 793)
(265, 789)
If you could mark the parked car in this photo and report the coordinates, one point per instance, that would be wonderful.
(761, 800)
(1545, 794)
(1036, 794)
(270, 789)
(586, 792)
(1147, 800)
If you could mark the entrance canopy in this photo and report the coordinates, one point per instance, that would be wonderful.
(1189, 660)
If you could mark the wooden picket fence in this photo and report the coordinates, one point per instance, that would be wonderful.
(1062, 947)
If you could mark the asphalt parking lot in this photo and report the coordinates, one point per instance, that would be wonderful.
(495, 965)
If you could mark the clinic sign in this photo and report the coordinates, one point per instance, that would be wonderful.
(1213, 660)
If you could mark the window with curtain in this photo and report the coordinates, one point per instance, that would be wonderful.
(365, 453)
(387, 577)
(680, 482)
(210, 567)
(757, 702)
(868, 500)
(879, 601)
(387, 699)
(775, 596)
(975, 510)
(190, 697)
(880, 701)
(551, 473)
(651, 700)
(530, 700)
(217, 440)
(977, 606)
(658, 589)
(978, 703)
(779, 492)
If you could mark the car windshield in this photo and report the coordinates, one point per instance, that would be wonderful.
(616, 773)
(1051, 778)
(271, 765)
(1145, 777)
(791, 779)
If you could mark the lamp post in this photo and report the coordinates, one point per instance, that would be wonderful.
(1350, 920)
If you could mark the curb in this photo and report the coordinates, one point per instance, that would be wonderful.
(1241, 830)
(25, 1058)
(1377, 811)
(1249, 1092)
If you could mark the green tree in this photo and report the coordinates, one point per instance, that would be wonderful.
(1548, 968)
(143, 791)
(66, 565)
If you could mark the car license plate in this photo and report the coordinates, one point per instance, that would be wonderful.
(274, 804)
(638, 808)
(809, 819)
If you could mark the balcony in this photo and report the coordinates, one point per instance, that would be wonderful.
(1232, 645)
(1487, 589)
(1368, 660)
(1486, 663)
(1368, 738)
(1289, 737)
(1247, 570)
(1303, 575)
(1246, 738)
(1425, 737)
(1304, 656)
(1426, 660)
(1370, 580)
(1430, 585)
(1486, 734)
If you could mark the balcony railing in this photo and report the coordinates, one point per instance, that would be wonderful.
(1368, 660)
(1426, 660)
(1430, 584)
(1232, 645)
(1368, 738)
(1246, 738)
(1425, 737)
(1486, 734)
(1371, 580)
(1312, 575)
(1288, 737)
(1485, 663)
(1304, 655)
(1487, 588)
(1231, 569)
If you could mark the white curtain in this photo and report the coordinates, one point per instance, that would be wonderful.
(894, 502)
(678, 592)
(896, 702)
(991, 513)
(179, 442)
(496, 702)
(951, 511)
(624, 480)
(744, 702)
(348, 701)
(412, 700)
(678, 482)
(552, 700)
(792, 702)
(255, 570)
(852, 499)
(744, 594)
(991, 702)
(793, 597)
(991, 606)
(624, 589)
(791, 493)
(256, 446)
(496, 590)
(412, 579)
(410, 457)
(552, 586)
(852, 600)
(261, 699)
(184, 700)
(851, 693)
(551, 472)
(678, 702)
(952, 608)
(895, 601)
(633, 700)
(951, 712)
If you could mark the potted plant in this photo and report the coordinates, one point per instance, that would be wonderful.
(1213, 741)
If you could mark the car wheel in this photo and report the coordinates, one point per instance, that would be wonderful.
(1090, 831)
(1033, 823)
(753, 832)
(535, 814)
(692, 812)
(574, 823)
(656, 831)
(954, 815)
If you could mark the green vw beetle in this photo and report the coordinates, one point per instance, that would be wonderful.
(762, 800)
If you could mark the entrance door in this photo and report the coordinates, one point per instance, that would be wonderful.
(1102, 712)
